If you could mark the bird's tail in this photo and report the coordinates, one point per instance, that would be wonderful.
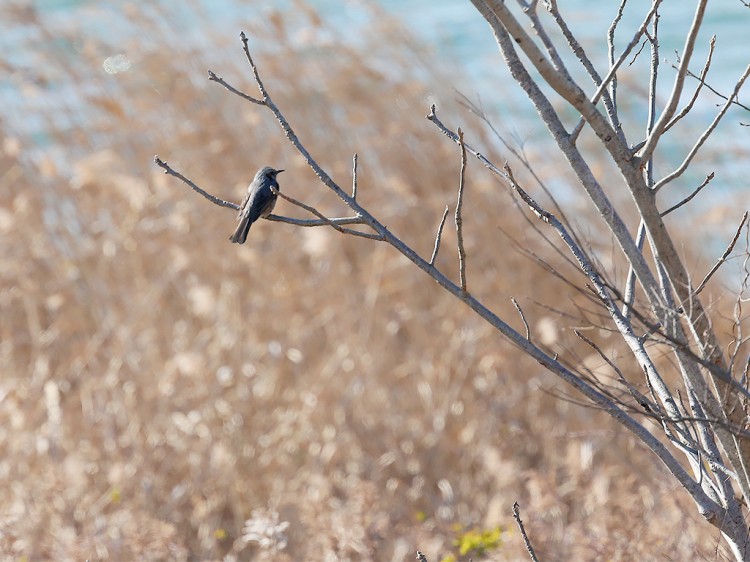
(240, 235)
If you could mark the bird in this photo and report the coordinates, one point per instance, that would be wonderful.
(258, 202)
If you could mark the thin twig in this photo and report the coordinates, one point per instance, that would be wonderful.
(611, 49)
(215, 200)
(438, 237)
(354, 176)
(653, 81)
(639, 51)
(458, 218)
(687, 199)
(212, 76)
(723, 257)
(526, 541)
(258, 81)
(523, 317)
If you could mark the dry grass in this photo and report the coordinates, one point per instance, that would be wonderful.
(161, 386)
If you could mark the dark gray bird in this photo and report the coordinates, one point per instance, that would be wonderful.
(258, 203)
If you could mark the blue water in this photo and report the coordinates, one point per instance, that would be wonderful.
(458, 32)
(456, 36)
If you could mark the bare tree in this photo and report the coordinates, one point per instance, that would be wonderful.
(697, 426)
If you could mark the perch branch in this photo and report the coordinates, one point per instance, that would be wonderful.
(335, 222)
(331, 222)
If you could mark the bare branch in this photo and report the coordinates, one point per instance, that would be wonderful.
(258, 81)
(292, 137)
(438, 237)
(549, 46)
(653, 76)
(526, 541)
(307, 223)
(458, 218)
(724, 256)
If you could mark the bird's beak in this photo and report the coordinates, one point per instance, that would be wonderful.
(279, 171)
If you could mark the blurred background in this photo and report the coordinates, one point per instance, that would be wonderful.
(166, 395)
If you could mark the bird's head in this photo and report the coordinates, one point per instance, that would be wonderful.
(267, 172)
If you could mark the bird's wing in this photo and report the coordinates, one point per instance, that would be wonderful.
(259, 204)
(243, 206)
